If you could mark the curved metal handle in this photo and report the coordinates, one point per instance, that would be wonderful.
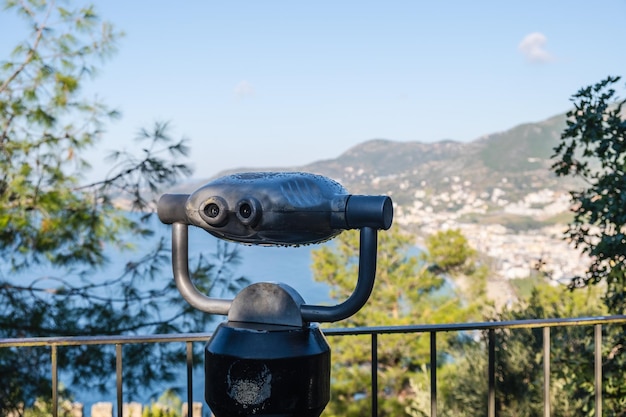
(310, 313)
(180, 266)
(362, 291)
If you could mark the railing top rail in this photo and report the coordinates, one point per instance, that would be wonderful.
(488, 325)
(103, 340)
(420, 328)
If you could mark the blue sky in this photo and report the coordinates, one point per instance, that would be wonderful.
(278, 83)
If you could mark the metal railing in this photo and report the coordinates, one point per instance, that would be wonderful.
(490, 327)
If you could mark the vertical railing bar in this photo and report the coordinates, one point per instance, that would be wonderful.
(598, 368)
(55, 381)
(118, 376)
(491, 403)
(433, 374)
(190, 379)
(546, 372)
(374, 374)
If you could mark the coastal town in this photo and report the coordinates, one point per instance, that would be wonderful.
(514, 254)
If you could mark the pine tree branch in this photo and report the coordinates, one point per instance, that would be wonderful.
(31, 52)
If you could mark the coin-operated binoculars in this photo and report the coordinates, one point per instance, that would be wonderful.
(270, 358)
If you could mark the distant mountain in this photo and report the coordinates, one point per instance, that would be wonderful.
(516, 161)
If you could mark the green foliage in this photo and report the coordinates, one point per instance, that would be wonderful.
(449, 252)
(55, 230)
(415, 289)
(43, 408)
(593, 148)
(46, 123)
(419, 403)
(169, 404)
(409, 289)
(519, 361)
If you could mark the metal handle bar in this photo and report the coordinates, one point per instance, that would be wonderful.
(310, 313)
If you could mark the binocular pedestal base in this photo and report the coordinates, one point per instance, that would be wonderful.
(267, 370)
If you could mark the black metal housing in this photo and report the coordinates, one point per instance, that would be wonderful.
(264, 370)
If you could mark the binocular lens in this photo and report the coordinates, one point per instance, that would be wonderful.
(245, 210)
(212, 210)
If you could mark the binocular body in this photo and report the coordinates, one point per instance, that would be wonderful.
(274, 208)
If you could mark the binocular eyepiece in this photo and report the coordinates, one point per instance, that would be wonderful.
(275, 208)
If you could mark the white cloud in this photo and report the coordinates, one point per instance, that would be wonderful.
(244, 89)
(533, 48)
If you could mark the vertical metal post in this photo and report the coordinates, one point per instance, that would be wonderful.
(598, 368)
(55, 381)
(491, 404)
(118, 376)
(433, 374)
(374, 374)
(189, 379)
(546, 372)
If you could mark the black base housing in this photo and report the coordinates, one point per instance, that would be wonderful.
(264, 370)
